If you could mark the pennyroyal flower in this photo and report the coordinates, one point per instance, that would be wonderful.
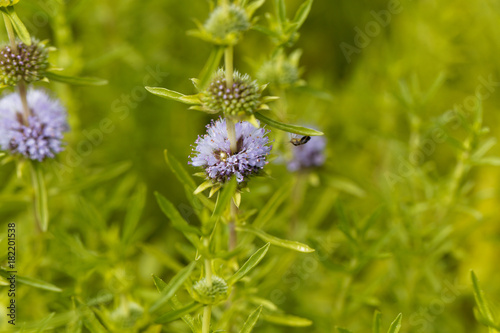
(309, 155)
(41, 136)
(212, 151)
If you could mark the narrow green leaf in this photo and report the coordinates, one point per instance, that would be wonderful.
(203, 186)
(396, 324)
(281, 11)
(177, 220)
(251, 321)
(176, 305)
(95, 179)
(91, 322)
(178, 313)
(266, 31)
(134, 212)
(159, 283)
(18, 25)
(267, 212)
(174, 95)
(377, 325)
(31, 282)
(174, 284)
(249, 264)
(287, 127)
(179, 171)
(287, 320)
(210, 66)
(253, 6)
(224, 199)
(38, 283)
(191, 233)
(484, 309)
(484, 148)
(343, 330)
(195, 326)
(302, 13)
(347, 186)
(434, 87)
(77, 81)
(40, 196)
(288, 244)
(185, 178)
(491, 160)
(45, 322)
(344, 223)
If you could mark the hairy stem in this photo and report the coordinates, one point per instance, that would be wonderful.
(21, 85)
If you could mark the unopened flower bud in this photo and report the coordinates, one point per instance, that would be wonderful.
(225, 23)
(242, 97)
(211, 293)
(29, 63)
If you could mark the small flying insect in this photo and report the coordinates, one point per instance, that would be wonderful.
(299, 141)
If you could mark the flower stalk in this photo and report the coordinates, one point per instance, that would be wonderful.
(231, 132)
(21, 86)
(207, 311)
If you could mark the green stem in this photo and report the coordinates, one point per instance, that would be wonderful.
(232, 228)
(228, 61)
(231, 134)
(23, 93)
(207, 311)
(231, 131)
(21, 86)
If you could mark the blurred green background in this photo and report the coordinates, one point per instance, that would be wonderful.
(358, 102)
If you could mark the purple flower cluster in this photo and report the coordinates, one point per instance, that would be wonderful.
(212, 151)
(309, 155)
(41, 136)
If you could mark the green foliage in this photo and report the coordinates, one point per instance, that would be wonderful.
(404, 207)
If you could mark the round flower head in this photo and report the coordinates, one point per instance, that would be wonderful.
(212, 151)
(241, 98)
(28, 63)
(41, 136)
(210, 293)
(281, 70)
(225, 24)
(309, 155)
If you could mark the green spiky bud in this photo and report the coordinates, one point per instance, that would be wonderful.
(243, 97)
(226, 23)
(29, 63)
(6, 3)
(210, 293)
(281, 70)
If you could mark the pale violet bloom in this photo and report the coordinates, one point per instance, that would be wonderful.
(42, 136)
(309, 155)
(212, 151)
